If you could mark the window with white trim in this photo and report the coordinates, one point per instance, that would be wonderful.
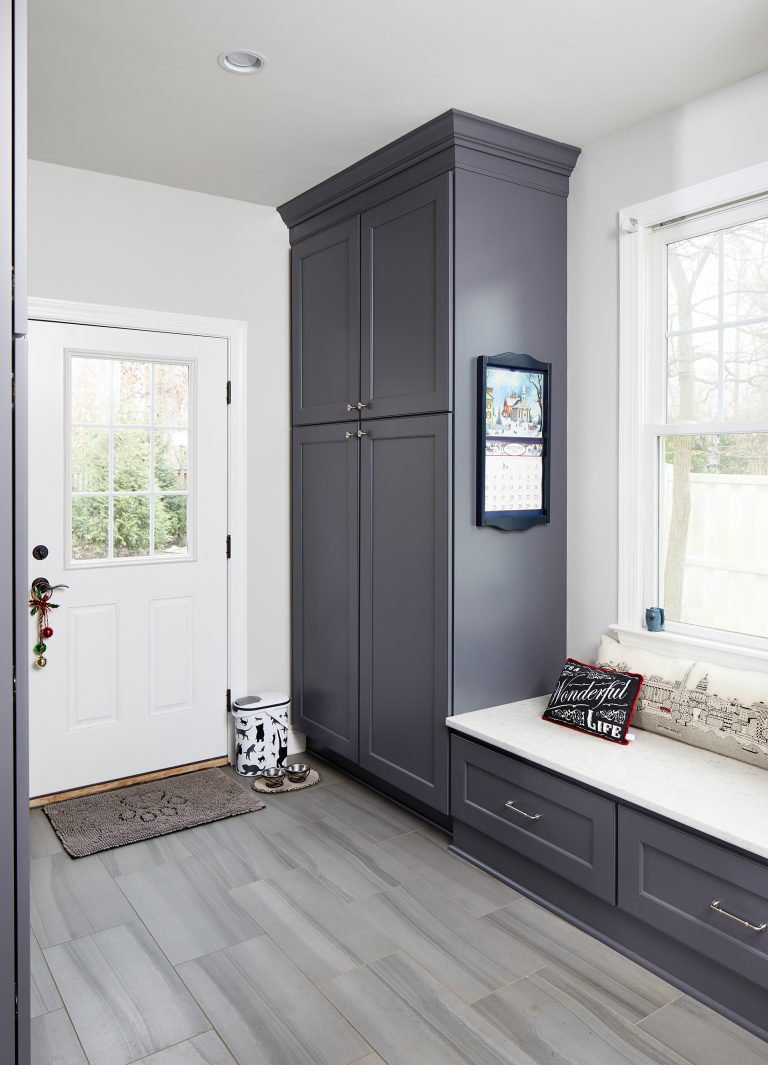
(705, 496)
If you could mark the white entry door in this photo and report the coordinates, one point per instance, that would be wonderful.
(128, 494)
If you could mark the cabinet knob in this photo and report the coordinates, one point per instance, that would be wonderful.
(350, 436)
(360, 405)
(361, 433)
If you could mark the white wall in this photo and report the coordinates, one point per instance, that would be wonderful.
(111, 240)
(714, 135)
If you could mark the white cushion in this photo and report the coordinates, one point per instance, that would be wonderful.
(710, 706)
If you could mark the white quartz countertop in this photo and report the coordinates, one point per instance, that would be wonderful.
(725, 798)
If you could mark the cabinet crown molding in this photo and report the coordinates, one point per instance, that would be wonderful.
(453, 139)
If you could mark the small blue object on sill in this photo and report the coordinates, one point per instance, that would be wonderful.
(654, 618)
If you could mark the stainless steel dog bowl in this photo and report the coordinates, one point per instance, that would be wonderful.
(273, 778)
(297, 772)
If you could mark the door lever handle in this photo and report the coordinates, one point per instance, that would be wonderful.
(42, 586)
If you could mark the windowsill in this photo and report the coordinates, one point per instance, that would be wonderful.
(695, 647)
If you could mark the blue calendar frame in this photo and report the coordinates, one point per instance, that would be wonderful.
(513, 405)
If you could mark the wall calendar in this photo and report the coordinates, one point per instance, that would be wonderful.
(513, 437)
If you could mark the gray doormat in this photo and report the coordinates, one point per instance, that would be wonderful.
(94, 823)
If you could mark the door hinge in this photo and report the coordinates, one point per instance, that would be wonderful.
(229, 391)
(229, 546)
(229, 699)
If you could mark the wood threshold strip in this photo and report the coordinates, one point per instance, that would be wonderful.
(125, 782)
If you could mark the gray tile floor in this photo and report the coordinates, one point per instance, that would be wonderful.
(332, 928)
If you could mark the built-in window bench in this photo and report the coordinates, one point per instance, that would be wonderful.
(657, 848)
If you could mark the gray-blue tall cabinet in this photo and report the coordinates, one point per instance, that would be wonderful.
(445, 245)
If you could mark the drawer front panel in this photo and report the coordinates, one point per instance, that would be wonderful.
(561, 826)
(670, 879)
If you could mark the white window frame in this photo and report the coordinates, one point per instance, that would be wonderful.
(640, 412)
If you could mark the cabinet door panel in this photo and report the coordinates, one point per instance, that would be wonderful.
(406, 335)
(325, 324)
(325, 586)
(687, 887)
(559, 825)
(405, 551)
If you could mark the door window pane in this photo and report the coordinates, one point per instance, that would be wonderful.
(171, 395)
(91, 386)
(171, 525)
(170, 460)
(90, 527)
(130, 526)
(132, 385)
(90, 460)
(131, 460)
(714, 531)
(129, 448)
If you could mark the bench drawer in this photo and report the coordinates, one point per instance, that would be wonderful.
(670, 879)
(560, 826)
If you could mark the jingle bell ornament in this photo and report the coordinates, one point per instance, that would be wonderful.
(39, 606)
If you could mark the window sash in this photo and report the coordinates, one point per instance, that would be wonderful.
(654, 424)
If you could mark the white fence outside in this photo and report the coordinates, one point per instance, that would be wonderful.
(726, 571)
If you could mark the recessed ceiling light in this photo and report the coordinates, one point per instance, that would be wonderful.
(242, 61)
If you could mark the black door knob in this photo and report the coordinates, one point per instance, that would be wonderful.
(40, 552)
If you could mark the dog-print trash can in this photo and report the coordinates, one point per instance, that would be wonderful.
(261, 732)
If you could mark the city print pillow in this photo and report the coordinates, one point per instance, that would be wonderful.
(703, 704)
(595, 700)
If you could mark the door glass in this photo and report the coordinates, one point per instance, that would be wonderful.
(129, 445)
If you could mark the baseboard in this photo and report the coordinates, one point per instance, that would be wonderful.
(125, 782)
(362, 776)
(297, 742)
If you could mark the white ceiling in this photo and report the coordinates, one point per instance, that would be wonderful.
(132, 87)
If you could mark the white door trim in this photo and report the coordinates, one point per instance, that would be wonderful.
(235, 333)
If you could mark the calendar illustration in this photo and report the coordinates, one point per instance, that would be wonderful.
(512, 447)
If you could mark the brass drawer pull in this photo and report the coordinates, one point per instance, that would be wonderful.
(510, 804)
(739, 920)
